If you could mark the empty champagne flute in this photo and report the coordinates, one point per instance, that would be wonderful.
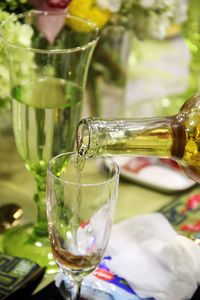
(81, 200)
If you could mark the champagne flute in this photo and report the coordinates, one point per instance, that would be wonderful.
(47, 89)
(81, 200)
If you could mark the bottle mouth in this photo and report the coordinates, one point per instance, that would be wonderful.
(83, 138)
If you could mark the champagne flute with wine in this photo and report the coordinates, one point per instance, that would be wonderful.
(81, 200)
(47, 90)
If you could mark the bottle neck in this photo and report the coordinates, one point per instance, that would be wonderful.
(154, 137)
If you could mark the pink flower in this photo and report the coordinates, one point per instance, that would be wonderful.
(50, 4)
(50, 25)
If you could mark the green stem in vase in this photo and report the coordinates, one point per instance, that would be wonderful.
(109, 61)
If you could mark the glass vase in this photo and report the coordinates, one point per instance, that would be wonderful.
(108, 72)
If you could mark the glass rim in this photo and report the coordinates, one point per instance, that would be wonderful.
(52, 51)
(116, 175)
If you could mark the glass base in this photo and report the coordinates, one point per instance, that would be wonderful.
(20, 241)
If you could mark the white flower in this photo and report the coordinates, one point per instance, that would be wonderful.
(19, 35)
(158, 24)
(181, 7)
(159, 15)
(147, 3)
(112, 5)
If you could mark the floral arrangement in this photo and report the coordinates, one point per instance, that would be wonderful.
(147, 18)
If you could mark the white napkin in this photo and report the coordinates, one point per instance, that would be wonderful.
(154, 259)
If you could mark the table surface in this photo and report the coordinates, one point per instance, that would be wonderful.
(17, 184)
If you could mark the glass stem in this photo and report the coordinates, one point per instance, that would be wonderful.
(76, 291)
(71, 290)
(40, 227)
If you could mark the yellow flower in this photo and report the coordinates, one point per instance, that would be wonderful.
(173, 30)
(88, 9)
